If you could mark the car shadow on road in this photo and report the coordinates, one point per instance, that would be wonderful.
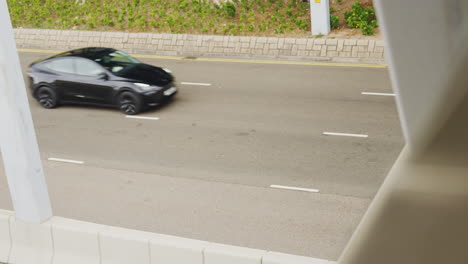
(165, 106)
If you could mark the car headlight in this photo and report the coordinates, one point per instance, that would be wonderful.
(167, 70)
(143, 85)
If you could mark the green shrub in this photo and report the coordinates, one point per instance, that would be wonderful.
(154, 23)
(170, 21)
(367, 29)
(280, 29)
(120, 18)
(211, 24)
(141, 22)
(302, 7)
(301, 24)
(243, 18)
(107, 21)
(230, 9)
(183, 5)
(75, 21)
(362, 18)
(224, 29)
(334, 22)
(161, 13)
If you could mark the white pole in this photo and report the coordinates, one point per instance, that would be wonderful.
(18, 143)
(320, 17)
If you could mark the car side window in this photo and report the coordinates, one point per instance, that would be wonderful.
(88, 68)
(61, 65)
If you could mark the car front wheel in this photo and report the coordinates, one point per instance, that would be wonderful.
(47, 97)
(129, 103)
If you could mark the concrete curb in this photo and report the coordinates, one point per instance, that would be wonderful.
(218, 253)
(31, 243)
(304, 49)
(66, 241)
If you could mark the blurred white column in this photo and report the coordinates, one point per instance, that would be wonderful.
(18, 143)
(320, 17)
(419, 215)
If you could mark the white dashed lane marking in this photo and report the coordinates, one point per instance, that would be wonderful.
(344, 134)
(142, 117)
(192, 83)
(294, 188)
(382, 94)
(66, 160)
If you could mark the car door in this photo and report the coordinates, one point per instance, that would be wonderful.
(93, 79)
(65, 79)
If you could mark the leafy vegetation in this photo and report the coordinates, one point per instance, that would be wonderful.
(334, 22)
(361, 17)
(236, 17)
(239, 17)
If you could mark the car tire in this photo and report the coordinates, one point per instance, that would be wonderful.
(47, 97)
(129, 103)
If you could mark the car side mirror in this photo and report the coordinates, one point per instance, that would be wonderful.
(103, 76)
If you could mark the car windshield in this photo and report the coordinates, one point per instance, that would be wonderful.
(116, 61)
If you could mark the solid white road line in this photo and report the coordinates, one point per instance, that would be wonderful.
(199, 84)
(142, 117)
(66, 160)
(345, 134)
(383, 94)
(294, 188)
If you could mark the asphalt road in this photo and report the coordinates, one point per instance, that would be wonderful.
(204, 169)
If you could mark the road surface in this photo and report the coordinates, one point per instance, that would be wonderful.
(204, 169)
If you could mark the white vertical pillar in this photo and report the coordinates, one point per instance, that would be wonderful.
(320, 17)
(18, 143)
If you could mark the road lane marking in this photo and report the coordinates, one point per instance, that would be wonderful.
(199, 84)
(40, 51)
(67, 160)
(142, 117)
(383, 94)
(332, 64)
(344, 134)
(294, 188)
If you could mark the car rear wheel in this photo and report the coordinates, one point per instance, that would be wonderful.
(47, 97)
(129, 103)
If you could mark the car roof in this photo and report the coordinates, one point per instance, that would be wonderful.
(91, 53)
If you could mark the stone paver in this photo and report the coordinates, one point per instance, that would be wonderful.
(199, 45)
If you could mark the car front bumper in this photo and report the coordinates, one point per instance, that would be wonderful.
(157, 97)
